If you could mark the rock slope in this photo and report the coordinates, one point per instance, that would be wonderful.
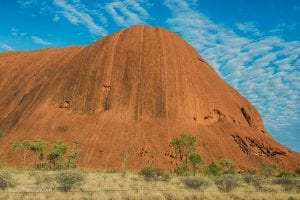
(129, 94)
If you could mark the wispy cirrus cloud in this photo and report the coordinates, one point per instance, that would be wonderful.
(5, 47)
(40, 41)
(248, 27)
(128, 12)
(27, 3)
(264, 69)
(75, 15)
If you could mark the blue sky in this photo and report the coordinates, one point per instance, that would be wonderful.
(253, 45)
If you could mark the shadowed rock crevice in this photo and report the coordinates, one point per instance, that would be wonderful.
(246, 116)
(255, 147)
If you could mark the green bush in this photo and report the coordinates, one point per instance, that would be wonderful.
(153, 173)
(285, 173)
(213, 170)
(68, 179)
(195, 182)
(56, 154)
(297, 171)
(268, 169)
(5, 179)
(181, 170)
(227, 183)
(227, 167)
(195, 160)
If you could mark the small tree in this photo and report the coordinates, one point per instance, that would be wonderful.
(72, 161)
(21, 146)
(195, 160)
(56, 152)
(38, 147)
(213, 169)
(227, 167)
(184, 145)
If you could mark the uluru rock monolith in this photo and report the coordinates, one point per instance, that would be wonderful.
(129, 94)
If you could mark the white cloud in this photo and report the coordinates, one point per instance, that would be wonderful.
(76, 16)
(248, 27)
(5, 47)
(16, 33)
(56, 18)
(40, 41)
(28, 3)
(265, 69)
(128, 12)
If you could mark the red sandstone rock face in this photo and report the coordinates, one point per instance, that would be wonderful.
(130, 92)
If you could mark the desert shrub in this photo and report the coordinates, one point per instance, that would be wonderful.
(153, 173)
(195, 160)
(43, 178)
(112, 171)
(56, 154)
(227, 183)
(213, 170)
(252, 171)
(195, 182)
(267, 169)
(181, 170)
(227, 167)
(256, 181)
(5, 179)
(184, 146)
(297, 171)
(285, 173)
(287, 183)
(68, 179)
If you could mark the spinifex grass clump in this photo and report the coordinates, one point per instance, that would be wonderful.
(153, 173)
(5, 179)
(255, 180)
(196, 183)
(227, 183)
(67, 179)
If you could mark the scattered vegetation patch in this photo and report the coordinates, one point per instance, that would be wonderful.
(68, 179)
(267, 169)
(196, 183)
(43, 178)
(285, 173)
(297, 171)
(255, 180)
(227, 183)
(213, 170)
(153, 173)
(286, 182)
(181, 170)
(6, 180)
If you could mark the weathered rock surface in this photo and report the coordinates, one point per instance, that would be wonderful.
(130, 93)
